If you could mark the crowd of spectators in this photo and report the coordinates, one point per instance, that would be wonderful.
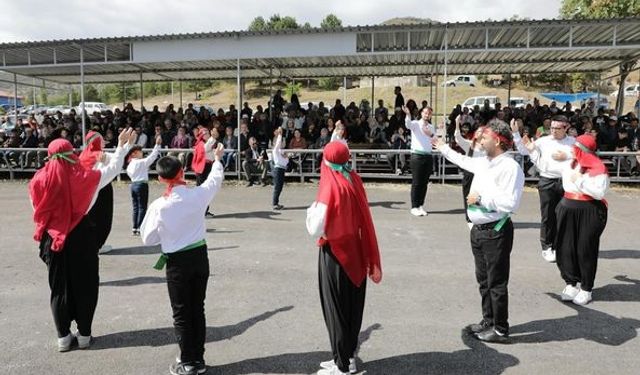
(308, 126)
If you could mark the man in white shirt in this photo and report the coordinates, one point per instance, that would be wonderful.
(176, 221)
(495, 194)
(421, 160)
(550, 154)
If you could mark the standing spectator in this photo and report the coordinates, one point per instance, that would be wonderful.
(399, 103)
(338, 111)
(280, 163)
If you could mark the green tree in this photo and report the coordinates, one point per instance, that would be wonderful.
(331, 83)
(258, 24)
(292, 88)
(579, 9)
(331, 21)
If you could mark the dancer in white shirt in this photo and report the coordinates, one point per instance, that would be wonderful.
(176, 222)
(421, 160)
(495, 195)
(550, 154)
(138, 172)
(472, 149)
(582, 217)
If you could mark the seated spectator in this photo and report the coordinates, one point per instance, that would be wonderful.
(181, 140)
(30, 140)
(142, 138)
(399, 141)
(12, 158)
(256, 161)
(230, 142)
(298, 141)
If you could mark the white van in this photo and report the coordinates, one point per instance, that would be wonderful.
(518, 102)
(631, 90)
(91, 107)
(462, 81)
(479, 101)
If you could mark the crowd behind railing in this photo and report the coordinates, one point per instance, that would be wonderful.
(376, 136)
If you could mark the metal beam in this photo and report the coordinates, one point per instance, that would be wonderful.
(82, 110)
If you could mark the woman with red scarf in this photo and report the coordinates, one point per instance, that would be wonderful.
(62, 193)
(341, 220)
(203, 156)
(93, 157)
(582, 217)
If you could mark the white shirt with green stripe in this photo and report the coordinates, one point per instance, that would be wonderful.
(498, 181)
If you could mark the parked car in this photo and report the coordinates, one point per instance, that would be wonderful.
(91, 107)
(518, 102)
(461, 81)
(65, 109)
(479, 101)
(34, 109)
(632, 90)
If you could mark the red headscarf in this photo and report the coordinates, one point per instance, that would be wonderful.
(349, 226)
(584, 151)
(93, 151)
(199, 157)
(61, 193)
(171, 182)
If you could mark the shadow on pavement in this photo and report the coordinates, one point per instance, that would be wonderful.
(629, 292)
(135, 281)
(477, 359)
(588, 324)
(387, 204)
(619, 254)
(166, 336)
(453, 211)
(526, 225)
(268, 215)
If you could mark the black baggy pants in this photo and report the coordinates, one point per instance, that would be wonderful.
(342, 307)
(421, 170)
(551, 192)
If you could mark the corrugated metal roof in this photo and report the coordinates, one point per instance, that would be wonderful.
(536, 46)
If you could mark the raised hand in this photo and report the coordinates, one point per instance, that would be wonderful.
(158, 140)
(514, 126)
(438, 143)
(406, 110)
(526, 141)
(219, 152)
(125, 135)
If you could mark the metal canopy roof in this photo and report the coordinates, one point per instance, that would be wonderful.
(519, 47)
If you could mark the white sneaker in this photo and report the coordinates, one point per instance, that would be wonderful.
(582, 298)
(105, 249)
(470, 225)
(333, 371)
(83, 341)
(549, 255)
(422, 211)
(328, 365)
(416, 212)
(569, 293)
(64, 343)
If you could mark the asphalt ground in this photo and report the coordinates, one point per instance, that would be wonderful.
(263, 310)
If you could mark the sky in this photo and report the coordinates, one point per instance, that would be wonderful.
(34, 20)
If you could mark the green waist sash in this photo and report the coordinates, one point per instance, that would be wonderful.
(162, 261)
(499, 224)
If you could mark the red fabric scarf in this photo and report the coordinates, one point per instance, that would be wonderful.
(584, 151)
(61, 193)
(93, 151)
(348, 225)
(199, 157)
(172, 182)
(498, 137)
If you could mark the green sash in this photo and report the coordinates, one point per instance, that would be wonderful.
(499, 224)
(345, 169)
(162, 261)
(63, 155)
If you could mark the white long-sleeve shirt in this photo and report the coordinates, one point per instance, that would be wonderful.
(110, 170)
(465, 145)
(542, 158)
(278, 157)
(420, 142)
(498, 181)
(138, 169)
(209, 149)
(178, 221)
(593, 186)
(316, 216)
(335, 137)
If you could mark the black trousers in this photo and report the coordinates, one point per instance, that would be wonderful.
(421, 170)
(73, 278)
(551, 192)
(102, 214)
(492, 254)
(342, 307)
(580, 225)
(202, 177)
(467, 179)
(278, 183)
(140, 200)
(187, 276)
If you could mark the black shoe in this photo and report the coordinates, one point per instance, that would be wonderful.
(250, 183)
(201, 367)
(278, 207)
(479, 327)
(491, 335)
(265, 183)
(183, 368)
(209, 214)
